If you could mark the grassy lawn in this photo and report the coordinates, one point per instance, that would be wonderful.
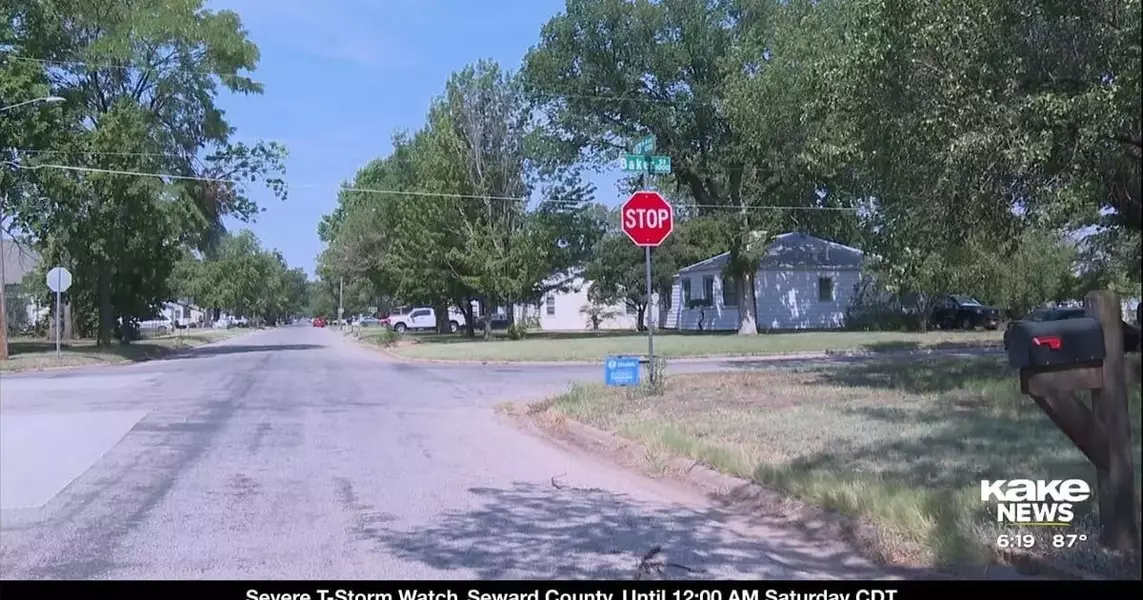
(899, 445)
(590, 346)
(29, 354)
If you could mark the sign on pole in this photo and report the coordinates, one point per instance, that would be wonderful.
(640, 163)
(621, 371)
(59, 280)
(644, 146)
(648, 219)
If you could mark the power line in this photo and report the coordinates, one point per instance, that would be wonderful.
(549, 202)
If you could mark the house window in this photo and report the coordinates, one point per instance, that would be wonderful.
(686, 284)
(186, 312)
(708, 288)
(825, 289)
(551, 305)
(729, 291)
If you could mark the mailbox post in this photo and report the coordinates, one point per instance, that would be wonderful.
(1056, 359)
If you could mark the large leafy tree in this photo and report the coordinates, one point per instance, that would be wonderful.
(158, 65)
(978, 121)
(730, 90)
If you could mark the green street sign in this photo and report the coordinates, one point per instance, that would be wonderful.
(637, 163)
(645, 146)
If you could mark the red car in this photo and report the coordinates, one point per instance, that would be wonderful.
(319, 322)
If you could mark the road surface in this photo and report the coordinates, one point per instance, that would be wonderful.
(295, 454)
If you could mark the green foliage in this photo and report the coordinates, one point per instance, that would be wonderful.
(517, 331)
(140, 80)
(389, 338)
(243, 279)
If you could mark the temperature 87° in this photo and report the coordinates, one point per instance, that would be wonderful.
(1067, 540)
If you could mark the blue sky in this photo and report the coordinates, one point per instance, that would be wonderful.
(342, 76)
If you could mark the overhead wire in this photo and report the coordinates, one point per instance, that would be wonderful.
(549, 202)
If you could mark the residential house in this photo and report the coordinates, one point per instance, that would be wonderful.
(803, 282)
(16, 261)
(184, 313)
(568, 309)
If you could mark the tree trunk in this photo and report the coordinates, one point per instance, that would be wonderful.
(641, 315)
(440, 310)
(106, 316)
(469, 318)
(3, 312)
(747, 305)
(486, 318)
(69, 322)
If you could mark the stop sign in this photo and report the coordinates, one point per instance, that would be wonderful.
(647, 218)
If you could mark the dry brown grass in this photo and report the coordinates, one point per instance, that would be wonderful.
(900, 445)
(33, 354)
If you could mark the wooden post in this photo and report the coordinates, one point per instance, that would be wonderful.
(1118, 508)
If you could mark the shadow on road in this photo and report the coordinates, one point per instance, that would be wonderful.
(206, 351)
(543, 531)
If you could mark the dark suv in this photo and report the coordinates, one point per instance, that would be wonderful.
(958, 311)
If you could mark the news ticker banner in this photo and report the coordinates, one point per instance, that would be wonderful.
(531, 590)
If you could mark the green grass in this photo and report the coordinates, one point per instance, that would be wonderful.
(31, 354)
(591, 346)
(899, 445)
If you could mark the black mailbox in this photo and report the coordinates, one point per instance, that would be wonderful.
(1055, 343)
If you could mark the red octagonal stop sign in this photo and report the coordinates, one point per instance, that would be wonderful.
(647, 218)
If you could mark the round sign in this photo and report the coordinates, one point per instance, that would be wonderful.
(59, 279)
(647, 218)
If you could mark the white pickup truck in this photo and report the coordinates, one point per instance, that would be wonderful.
(422, 318)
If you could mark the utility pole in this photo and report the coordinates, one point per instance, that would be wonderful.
(340, 299)
(3, 284)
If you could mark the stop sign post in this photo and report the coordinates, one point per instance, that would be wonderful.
(648, 219)
(59, 280)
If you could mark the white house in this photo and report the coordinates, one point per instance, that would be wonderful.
(184, 313)
(803, 282)
(16, 261)
(571, 310)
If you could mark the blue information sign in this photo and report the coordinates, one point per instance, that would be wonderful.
(621, 370)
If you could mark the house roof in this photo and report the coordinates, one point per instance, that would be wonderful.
(19, 260)
(793, 250)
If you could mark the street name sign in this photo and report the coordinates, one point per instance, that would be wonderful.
(638, 163)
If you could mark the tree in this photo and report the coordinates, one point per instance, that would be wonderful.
(608, 72)
(977, 122)
(147, 72)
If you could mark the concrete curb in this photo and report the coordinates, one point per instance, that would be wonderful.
(724, 358)
(742, 493)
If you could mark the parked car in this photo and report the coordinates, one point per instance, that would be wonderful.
(958, 311)
(420, 319)
(369, 322)
(319, 322)
(1131, 333)
(160, 325)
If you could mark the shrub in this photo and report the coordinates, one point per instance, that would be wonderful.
(516, 331)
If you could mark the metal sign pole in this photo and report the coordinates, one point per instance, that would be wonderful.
(57, 321)
(647, 315)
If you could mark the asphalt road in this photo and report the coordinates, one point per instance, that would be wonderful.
(296, 454)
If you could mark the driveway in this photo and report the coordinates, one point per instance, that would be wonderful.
(294, 453)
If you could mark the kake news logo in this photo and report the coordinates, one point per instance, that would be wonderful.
(1039, 502)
